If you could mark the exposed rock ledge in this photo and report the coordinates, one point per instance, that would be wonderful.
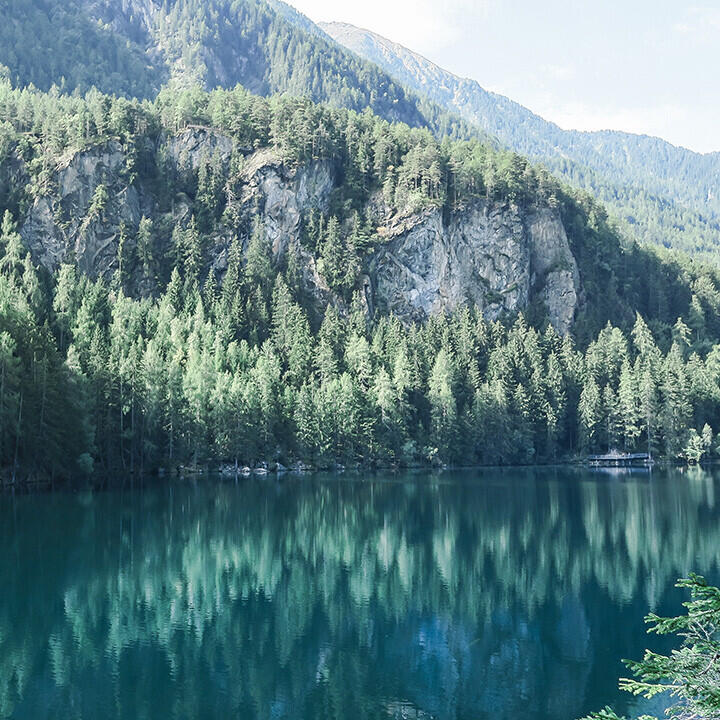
(491, 255)
(500, 257)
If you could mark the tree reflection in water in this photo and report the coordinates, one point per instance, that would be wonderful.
(497, 594)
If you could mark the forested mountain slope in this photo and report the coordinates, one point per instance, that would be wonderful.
(135, 47)
(200, 276)
(221, 277)
(419, 226)
(665, 194)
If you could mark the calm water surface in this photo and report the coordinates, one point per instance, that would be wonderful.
(484, 594)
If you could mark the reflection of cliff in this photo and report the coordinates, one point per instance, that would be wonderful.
(339, 599)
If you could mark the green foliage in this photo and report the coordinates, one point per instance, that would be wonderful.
(54, 43)
(72, 46)
(120, 384)
(181, 359)
(660, 195)
(690, 675)
(43, 426)
(697, 445)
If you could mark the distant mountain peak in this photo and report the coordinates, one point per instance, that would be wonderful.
(407, 65)
(346, 34)
(662, 193)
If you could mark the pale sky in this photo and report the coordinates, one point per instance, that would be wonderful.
(644, 66)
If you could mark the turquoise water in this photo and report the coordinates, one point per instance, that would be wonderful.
(477, 594)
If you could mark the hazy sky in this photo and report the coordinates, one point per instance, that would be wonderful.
(645, 66)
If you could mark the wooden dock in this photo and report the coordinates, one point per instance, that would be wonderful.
(620, 459)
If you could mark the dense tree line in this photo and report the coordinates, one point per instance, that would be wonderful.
(90, 376)
(135, 49)
(408, 167)
(409, 164)
(653, 217)
(165, 360)
(222, 43)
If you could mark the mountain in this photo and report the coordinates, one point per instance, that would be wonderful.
(665, 194)
(440, 259)
(356, 204)
(415, 236)
(660, 194)
(221, 277)
(271, 48)
(134, 48)
(192, 277)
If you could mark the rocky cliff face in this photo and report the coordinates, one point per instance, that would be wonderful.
(79, 216)
(498, 257)
(130, 17)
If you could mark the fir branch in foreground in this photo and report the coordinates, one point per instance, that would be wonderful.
(690, 674)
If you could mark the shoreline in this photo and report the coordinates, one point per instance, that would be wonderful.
(105, 480)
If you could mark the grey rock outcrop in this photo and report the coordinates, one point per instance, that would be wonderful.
(189, 149)
(66, 223)
(498, 257)
(493, 256)
(280, 198)
(81, 217)
(553, 269)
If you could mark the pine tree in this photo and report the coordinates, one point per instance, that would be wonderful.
(192, 253)
(9, 393)
(307, 430)
(12, 247)
(696, 318)
(523, 440)
(628, 397)
(676, 410)
(146, 248)
(443, 411)
(590, 413)
(291, 333)
(649, 408)
(613, 417)
(258, 261)
(688, 675)
(333, 264)
(66, 301)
